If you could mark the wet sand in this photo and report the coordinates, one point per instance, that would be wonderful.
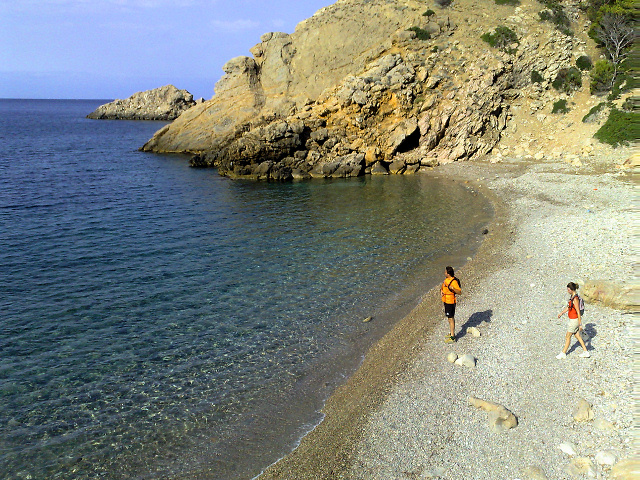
(404, 413)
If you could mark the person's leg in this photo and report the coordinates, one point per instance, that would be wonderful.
(586, 353)
(450, 312)
(567, 342)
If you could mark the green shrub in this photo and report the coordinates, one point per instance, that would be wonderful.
(601, 76)
(444, 3)
(560, 107)
(631, 104)
(502, 39)
(514, 3)
(584, 63)
(536, 77)
(622, 84)
(568, 80)
(429, 13)
(589, 117)
(554, 13)
(421, 34)
(620, 128)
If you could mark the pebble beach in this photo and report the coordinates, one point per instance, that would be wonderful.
(406, 414)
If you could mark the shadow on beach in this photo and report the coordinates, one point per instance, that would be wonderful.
(475, 320)
(590, 329)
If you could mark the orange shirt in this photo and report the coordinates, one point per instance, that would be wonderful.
(448, 296)
(572, 312)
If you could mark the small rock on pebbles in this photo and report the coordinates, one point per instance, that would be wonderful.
(568, 448)
(581, 466)
(583, 412)
(466, 361)
(534, 473)
(602, 424)
(606, 457)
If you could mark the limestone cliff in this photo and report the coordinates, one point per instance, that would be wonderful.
(354, 90)
(164, 103)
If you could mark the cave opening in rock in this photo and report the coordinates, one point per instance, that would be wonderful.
(410, 142)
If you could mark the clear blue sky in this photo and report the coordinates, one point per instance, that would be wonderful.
(108, 49)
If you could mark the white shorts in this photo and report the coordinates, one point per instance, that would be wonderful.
(573, 325)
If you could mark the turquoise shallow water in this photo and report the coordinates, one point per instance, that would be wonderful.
(164, 322)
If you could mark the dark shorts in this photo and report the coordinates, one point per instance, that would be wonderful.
(450, 310)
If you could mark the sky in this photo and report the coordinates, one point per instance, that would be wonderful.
(108, 49)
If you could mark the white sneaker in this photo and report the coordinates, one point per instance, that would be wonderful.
(561, 355)
(585, 354)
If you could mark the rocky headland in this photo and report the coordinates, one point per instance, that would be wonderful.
(408, 88)
(164, 103)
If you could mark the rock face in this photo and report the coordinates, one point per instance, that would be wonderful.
(610, 293)
(343, 97)
(164, 103)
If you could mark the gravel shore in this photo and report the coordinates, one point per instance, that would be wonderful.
(406, 413)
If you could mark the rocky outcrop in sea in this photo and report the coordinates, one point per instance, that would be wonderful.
(164, 103)
(340, 97)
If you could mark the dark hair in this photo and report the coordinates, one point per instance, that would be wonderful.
(573, 286)
(450, 271)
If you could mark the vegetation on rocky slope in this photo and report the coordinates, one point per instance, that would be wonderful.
(620, 128)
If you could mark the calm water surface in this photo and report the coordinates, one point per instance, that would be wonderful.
(164, 322)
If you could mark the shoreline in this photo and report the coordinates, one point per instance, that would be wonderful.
(353, 439)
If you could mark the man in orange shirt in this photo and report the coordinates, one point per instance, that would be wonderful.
(450, 288)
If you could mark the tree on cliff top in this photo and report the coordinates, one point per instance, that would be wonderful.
(616, 34)
(613, 29)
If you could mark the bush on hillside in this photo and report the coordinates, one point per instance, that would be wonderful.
(622, 83)
(514, 3)
(584, 63)
(631, 104)
(568, 80)
(560, 107)
(601, 77)
(502, 39)
(620, 128)
(536, 77)
(592, 115)
(421, 34)
(429, 13)
(554, 13)
(443, 3)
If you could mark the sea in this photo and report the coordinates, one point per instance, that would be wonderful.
(163, 322)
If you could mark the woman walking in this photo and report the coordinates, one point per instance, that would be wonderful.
(574, 324)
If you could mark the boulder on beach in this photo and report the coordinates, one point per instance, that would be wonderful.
(611, 294)
(466, 361)
(626, 469)
(164, 103)
(534, 473)
(580, 466)
(583, 411)
(500, 419)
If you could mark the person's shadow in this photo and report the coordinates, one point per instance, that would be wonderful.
(475, 320)
(590, 329)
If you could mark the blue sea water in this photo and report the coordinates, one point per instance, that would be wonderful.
(158, 321)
